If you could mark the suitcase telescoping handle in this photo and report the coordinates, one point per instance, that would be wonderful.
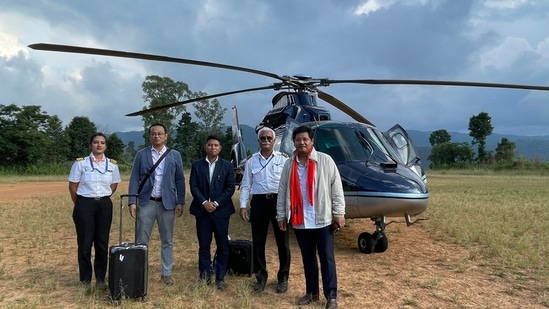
(122, 196)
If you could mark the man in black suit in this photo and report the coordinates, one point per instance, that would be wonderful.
(212, 184)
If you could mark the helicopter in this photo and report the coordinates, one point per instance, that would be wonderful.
(381, 171)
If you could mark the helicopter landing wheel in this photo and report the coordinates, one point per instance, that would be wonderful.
(381, 242)
(366, 243)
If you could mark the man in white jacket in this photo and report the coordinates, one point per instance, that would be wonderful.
(311, 197)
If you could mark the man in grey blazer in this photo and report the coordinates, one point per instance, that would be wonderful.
(162, 196)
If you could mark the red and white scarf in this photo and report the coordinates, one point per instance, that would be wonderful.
(296, 198)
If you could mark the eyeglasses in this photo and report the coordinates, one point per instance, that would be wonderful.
(266, 138)
(157, 134)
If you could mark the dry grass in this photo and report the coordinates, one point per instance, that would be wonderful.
(509, 215)
(482, 247)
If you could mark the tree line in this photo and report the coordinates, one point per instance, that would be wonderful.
(30, 138)
(445, 154)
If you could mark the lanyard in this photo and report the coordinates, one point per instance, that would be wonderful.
(94, 168)
(264, 166)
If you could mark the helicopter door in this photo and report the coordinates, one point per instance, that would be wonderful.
(401, 142)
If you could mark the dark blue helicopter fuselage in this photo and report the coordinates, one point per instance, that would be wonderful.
(380, 177)
(372, 190)
(376, 180)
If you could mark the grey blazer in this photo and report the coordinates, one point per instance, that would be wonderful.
(173, 180)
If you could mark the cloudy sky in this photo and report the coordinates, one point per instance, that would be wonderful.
(500, 41)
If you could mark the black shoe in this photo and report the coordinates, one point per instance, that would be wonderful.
(221, 285)
(331, 304)
(307, 299)
(259, 286)
(282, 286)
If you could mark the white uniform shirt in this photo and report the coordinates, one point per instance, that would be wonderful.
(261, 175)
(94, 178)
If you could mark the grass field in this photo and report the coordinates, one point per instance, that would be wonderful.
(483, 245)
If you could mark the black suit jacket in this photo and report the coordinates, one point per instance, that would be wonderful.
(220, 189)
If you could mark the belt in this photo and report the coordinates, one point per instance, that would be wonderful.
(267, 196)
(156, 199)
(97, 198)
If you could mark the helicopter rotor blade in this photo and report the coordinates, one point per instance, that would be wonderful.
(435, 83)
(343, 107)
(131, 55)
(163, 107)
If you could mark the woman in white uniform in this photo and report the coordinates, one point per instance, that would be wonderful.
(92, 181)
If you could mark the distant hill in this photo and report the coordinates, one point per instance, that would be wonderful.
(248, 135)
(132, 136)
(529, 147)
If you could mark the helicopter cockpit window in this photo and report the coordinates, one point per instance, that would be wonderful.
(383, 142)
(381, 151)
(343, 144)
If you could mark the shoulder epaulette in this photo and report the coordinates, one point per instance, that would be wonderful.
(113, 161)
(285, 155)
(79, 159)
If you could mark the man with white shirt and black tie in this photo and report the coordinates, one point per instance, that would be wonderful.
(260, 182)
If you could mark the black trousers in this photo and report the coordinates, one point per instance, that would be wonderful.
(264, 211)
(92, 219)
(205, 226)
(309, 241)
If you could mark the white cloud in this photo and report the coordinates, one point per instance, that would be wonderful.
(371, 6)
(505, 54)
(9, 45)
(492, 41)
(506, 4)
(543, 49)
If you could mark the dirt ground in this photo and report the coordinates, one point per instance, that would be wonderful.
(417, 271)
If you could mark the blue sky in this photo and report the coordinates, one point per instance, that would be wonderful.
(500, 41)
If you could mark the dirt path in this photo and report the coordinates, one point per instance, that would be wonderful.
(417, 271)
(23, 190)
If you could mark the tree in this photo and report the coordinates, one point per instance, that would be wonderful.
(505, 150)
(439, 137)
(480, 127)
(23, 140)
(130, 151)
(8, 130)
(227, 142)
(59, 139)
(79, 131)
(463, 153)
(210, 115)
(187, 138)
(448, 154)
(33, 145)
(31, 138)
(115, 148)
(161, 91)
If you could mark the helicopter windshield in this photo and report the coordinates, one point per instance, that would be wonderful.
(345, 143)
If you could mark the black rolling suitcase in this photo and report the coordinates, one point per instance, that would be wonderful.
(128, 267)
(240, 257)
